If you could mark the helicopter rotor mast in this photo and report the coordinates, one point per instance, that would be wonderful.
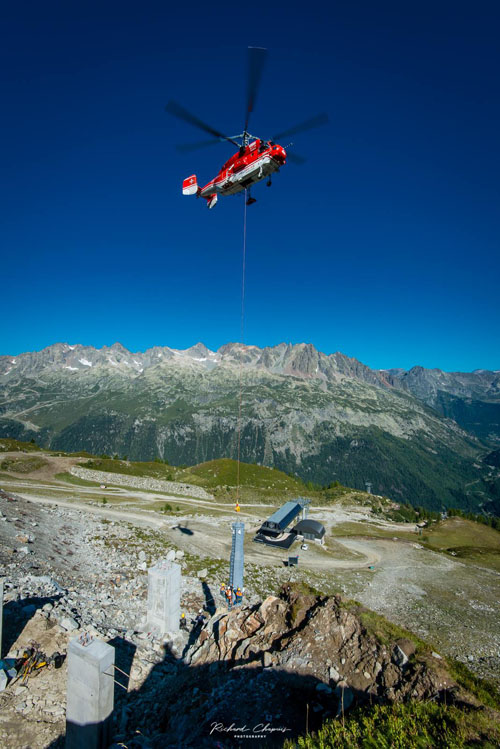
(256, 61)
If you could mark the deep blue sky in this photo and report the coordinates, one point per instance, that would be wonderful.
(385, 245)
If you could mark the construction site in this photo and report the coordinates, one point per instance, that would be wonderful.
(132, 598)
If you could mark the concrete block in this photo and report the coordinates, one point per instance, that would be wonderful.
(164, 597)
(90, 695)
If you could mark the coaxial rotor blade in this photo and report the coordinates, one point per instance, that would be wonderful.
(295, 158)
(256, 59)
(187, 147)
(176, 110)
(320, 119)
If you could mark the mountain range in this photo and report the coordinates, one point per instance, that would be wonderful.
(424, 436)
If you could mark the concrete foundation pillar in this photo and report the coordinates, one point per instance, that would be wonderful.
(90, 695)
(164, 598)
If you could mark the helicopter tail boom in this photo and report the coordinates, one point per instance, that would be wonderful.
(190, 186)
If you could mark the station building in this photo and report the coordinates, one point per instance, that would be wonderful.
(275, 530)
(310, 530)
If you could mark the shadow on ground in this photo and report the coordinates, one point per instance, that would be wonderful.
(16, 615)
(220, 705)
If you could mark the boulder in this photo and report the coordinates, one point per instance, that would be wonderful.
(334, 674)
(391, 675)
(69, 624)
(399, 657)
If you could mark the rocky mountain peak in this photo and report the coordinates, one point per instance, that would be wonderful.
(199, 351)
(119, 348)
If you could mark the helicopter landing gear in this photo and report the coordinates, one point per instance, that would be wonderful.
(250, 200)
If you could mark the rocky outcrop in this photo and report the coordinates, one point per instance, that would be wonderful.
(318, 637)
(284, 666)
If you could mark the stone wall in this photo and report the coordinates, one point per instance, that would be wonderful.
(139, 482)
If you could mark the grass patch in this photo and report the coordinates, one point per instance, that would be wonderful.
(224, 473)
(152, 469)
(412, 725)
(8, 445)
(469, 541)
(383, 630)
(303, 588)
(23, 465)
(486, 691)
(371, 530)
(79, 454)
(68, 478)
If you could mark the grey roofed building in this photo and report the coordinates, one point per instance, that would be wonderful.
(280, 519)
(310, 529)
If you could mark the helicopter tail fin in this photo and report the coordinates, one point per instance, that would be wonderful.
(190, 185)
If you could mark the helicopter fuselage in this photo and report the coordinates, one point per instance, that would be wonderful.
(252, 163)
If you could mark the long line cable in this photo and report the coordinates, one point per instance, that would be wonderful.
(242, 338)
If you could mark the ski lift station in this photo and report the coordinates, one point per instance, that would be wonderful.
(275, 530)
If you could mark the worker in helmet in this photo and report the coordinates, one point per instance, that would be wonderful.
(223, 591)
(238, 597)
(229, 596)
(183, 622)
(200, 619)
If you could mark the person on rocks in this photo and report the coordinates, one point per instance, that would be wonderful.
(183, 622)
(238, 597)
(200, 619)
(229, 596)
(223, 591)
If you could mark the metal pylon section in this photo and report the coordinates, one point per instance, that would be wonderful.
(305, 506)
(236, 563)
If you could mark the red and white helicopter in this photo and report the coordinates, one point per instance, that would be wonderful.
(256, 159)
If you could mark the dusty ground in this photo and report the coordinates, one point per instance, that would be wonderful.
(47, 472)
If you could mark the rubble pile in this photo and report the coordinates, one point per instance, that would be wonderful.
(140, 482)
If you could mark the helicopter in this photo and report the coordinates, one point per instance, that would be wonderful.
(256, 158)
